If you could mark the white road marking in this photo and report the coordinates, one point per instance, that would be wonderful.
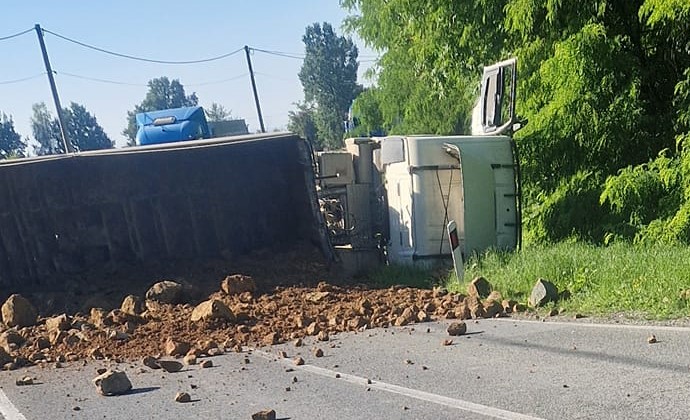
(484, 410)
(8, 410)
(595, 325)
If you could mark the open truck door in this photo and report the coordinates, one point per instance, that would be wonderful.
(494, 114)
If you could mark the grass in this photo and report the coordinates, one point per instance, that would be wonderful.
(641, 281)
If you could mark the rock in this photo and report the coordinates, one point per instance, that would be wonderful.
(237, 284)
(183, 397)
(317, 352)
(10, 340)
(457, 328)
(298, 342)
(165, 292)
(170, 366)
(543, 291)
(96, 354)
(205, 346)
(189, 359)
(176, 348)
(264, 415)
(99, 317)
(651, 339)
(60, 322)
(206, 364)
(492, 308)
(298, 361)
(212, 309)
(17, 311)
(271, 339)
(495, 295)
(215, 351)
(26, 380)
(150, 362)
(132, 305)
(474, 305)
(323, 336)
(112, 383)
(42, 343)
(479, 287)
(313, 329)
(447, 342)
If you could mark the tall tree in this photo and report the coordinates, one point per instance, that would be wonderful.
(11, 144)
(217, 112)
(46, 131)
(162, 94)
(301, 122)
(329, 80)
(82, 128)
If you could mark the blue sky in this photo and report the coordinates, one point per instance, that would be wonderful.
(163, 30)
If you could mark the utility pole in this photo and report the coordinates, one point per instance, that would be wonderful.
(53, 88)
(256, 95)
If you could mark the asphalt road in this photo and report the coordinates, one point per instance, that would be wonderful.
(502, 369)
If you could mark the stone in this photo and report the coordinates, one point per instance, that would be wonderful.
(26, 380)
(298, 342)
(10, 340)
(495, 295)
(205, 346)
(474, 305)
(457, 328)
(492, 308)
(543, 292)
(322, 336)
(189, 359)
(271, 339)
(317, 352)
(447, 342)
(60, 322)
(264, 415)
(112, 382)
(212, 309)
(96, 354)
(206, 364)
(99, 317)
(176, 348)
(216, 351)
(132, 305)
(298, 361)
(479, 287)
(183, 397)
(150, 362)
(313, 329)
(237, 284)
(17, 311)
(170, 366)
(42, 343)
(165, 292)
(651, 339)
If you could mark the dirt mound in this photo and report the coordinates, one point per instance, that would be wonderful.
(288, 313)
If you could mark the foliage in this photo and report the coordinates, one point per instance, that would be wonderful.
(217, 112)
(329, 79)
(604, 85)
(82, 129)
(571, 210)
(11, 144)
(301, 122)
(162, 94)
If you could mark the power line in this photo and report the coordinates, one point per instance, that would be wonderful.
(119, 82)
(148, 60)
(23, 79)
(16, 35)
(280, 53)
(95, 79)
(215, 82)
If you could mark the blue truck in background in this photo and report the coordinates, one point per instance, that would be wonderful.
(182, 124)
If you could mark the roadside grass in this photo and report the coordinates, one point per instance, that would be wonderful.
(402, 275)
(637, 281)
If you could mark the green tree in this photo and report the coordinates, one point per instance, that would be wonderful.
(11, 144)
(82, 129)
(46, 131)
(301, 122)
(329, 80)
(217, 112)
(162, 94)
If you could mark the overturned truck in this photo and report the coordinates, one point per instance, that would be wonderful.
(85, 216)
